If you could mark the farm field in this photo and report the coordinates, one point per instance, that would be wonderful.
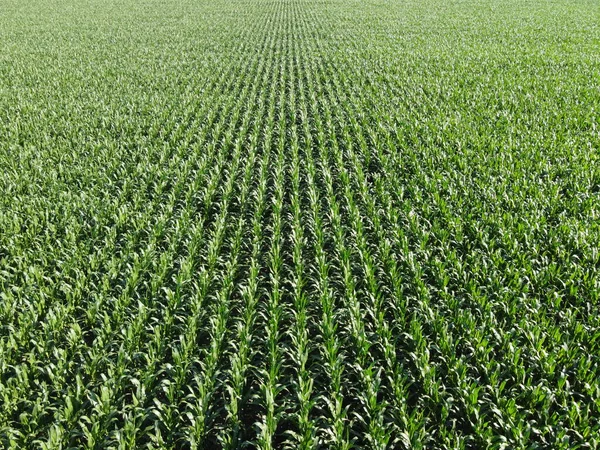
(300, 224)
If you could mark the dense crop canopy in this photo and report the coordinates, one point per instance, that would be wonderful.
(299, 224)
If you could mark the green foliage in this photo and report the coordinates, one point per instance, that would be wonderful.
(299, 224)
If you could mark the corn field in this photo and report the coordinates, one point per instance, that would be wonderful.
(299, 224)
